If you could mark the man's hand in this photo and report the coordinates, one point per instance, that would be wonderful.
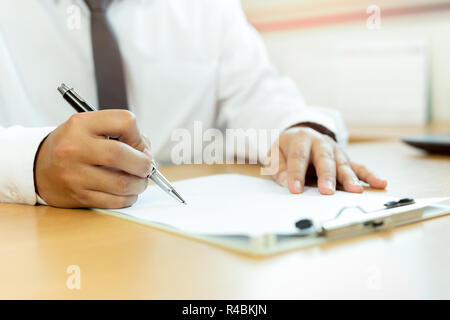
(77, 166)
(298, 150)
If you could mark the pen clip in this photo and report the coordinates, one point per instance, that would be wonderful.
(77, 95)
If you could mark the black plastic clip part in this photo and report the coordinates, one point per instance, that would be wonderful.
(306, 226)
(399, 203)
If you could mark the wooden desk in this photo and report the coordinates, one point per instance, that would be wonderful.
(121, 259)
(367, 133)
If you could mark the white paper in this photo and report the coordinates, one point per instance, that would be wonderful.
(233, 204)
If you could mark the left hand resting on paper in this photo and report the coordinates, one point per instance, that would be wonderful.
(307, 147)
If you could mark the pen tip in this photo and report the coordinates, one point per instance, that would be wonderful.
(177, 195)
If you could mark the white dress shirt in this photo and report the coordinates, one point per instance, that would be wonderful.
(185, 61)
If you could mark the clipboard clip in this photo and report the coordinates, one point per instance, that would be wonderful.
(392, 214)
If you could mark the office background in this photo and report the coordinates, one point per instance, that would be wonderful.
(396, 76)
(379, 62)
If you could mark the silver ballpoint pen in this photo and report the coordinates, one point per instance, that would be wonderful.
(80, 105)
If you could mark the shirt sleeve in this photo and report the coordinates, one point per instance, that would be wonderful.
(252, 94)
(18, 147)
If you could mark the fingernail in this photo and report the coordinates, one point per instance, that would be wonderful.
(355, 186)
(282, 179)
(330, 185)
(147, 152)
(297, 186)
(383, 183)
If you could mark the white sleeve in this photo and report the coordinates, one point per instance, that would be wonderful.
(252, 94)
(18, 147)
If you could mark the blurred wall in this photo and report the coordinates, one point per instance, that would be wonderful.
(407, 55)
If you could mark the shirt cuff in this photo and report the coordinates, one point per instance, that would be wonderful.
(327, 119)
(19, 146)
(40, 200)
(312, 125)
(323, 120)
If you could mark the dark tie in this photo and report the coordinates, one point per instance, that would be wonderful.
(109, 72)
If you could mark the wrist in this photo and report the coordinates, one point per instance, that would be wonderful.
(312, 125)
(35, 171)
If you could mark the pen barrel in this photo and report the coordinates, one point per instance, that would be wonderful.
(80, 105)
(160, 180)
(77, 102)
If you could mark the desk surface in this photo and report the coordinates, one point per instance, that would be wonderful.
(121, 259)
(366, 133)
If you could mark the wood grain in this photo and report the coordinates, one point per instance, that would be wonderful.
(121, 259)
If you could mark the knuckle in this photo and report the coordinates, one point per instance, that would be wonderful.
(324, 150)
(328, 147)
(362, 172)
(295, 175)
(123, 202)
(362, 169)
(81, 197)
(124, 183)
(324, 155)
(112, 155)
(128, 119)
(299, 155)
(64, 150)
(344, 171)
(75, 120)
(343, 167)
(67, 178)
(342, 161)
(327, 172)
(368, 175)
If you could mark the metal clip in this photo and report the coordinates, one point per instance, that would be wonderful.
(386, 218)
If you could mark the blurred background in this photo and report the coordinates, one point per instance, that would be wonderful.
(384, 64)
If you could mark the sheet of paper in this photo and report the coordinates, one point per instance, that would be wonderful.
(236, 204)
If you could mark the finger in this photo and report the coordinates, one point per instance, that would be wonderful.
(117, 155)
(325, 165)
(367, 176)
(298, 156)
(97, 199)
(113, 181)
(120, 124)
(278, 161)
(146, 141)
(345, 175)
(147, 146)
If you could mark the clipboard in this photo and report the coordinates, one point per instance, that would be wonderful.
(310, 232)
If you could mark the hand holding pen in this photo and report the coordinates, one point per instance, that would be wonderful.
(76, 166)
(80, 105)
